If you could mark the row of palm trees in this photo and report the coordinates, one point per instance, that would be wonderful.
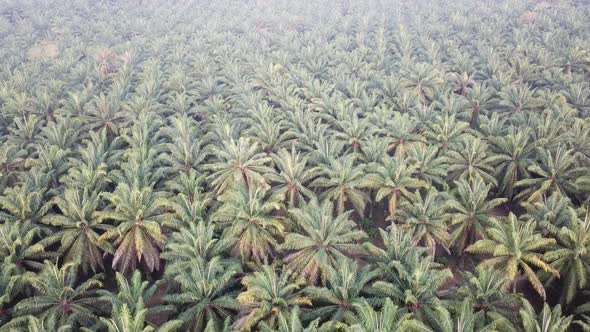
(286, 166)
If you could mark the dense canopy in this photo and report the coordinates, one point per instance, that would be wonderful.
(279, 165)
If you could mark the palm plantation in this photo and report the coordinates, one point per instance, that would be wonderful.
(295, 166)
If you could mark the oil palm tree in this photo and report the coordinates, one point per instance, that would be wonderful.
(551, 213)
(60, 298)
(319, 239)
(554, 172)
(446, 132)
(11, 284)
(549, 319)
(191, 203)
(431, 167)
(294, 324)
(571, 258)
(238, 163)
(79, 229)
(579, 141)
(140, 168)
(135, 294)
(325, 150)
(63, 133)
(268, 297)
(352, 131)
(515, 156)
(20, 245)
(21, 255)
(485, 289)
(469, 211)
(422, 78)
(28, 201)
(185, 150)
(398, 246)
(472, 159)
(347, 285)
(105, 112)
(549, 129)
(292, 178)
(517, 99)
(415, 284)
(390, 318)
(204, 298)
(492, 126)
(374, 149)
(25, 132)
(573, 59)
(480, 98)
(466, 320)
(31, 323)
(393, 178)
(11, 159)
(425, 217)
(138, 235)
(94, 163)
(50, 160)
(401, 133)
(123, 319)
(515, 246)
(578, 95)
(309, 130)
(462, 84)
(250, 216)
(193, 242)
(266, 128)
(341, 182)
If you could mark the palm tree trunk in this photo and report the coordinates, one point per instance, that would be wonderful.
(393, 203)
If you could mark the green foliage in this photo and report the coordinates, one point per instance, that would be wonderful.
(389, 318)
(515, 156)
(123, 319)
(398, 248)
(20, 246)
(240, 164)
(203, 298)
(138, 235)
(61, 299)
(341, 181)
(516, 247)
(319, 240)
(572, 257)
(470, 161)
(79, 227)
(293, 324)
(347, 285)
(292, 178)
(441, 320)
(486, 292)
(392, 178)
(415, 284)
(547, 320)
(469, 212)
(269, 297)
(312, 165)
(27, 202)
(552, 213)
(556, 173)
(249, 215)
(424, 216)
(197, 241)
(134, 294)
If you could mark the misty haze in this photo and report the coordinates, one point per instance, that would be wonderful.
(295, 165)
